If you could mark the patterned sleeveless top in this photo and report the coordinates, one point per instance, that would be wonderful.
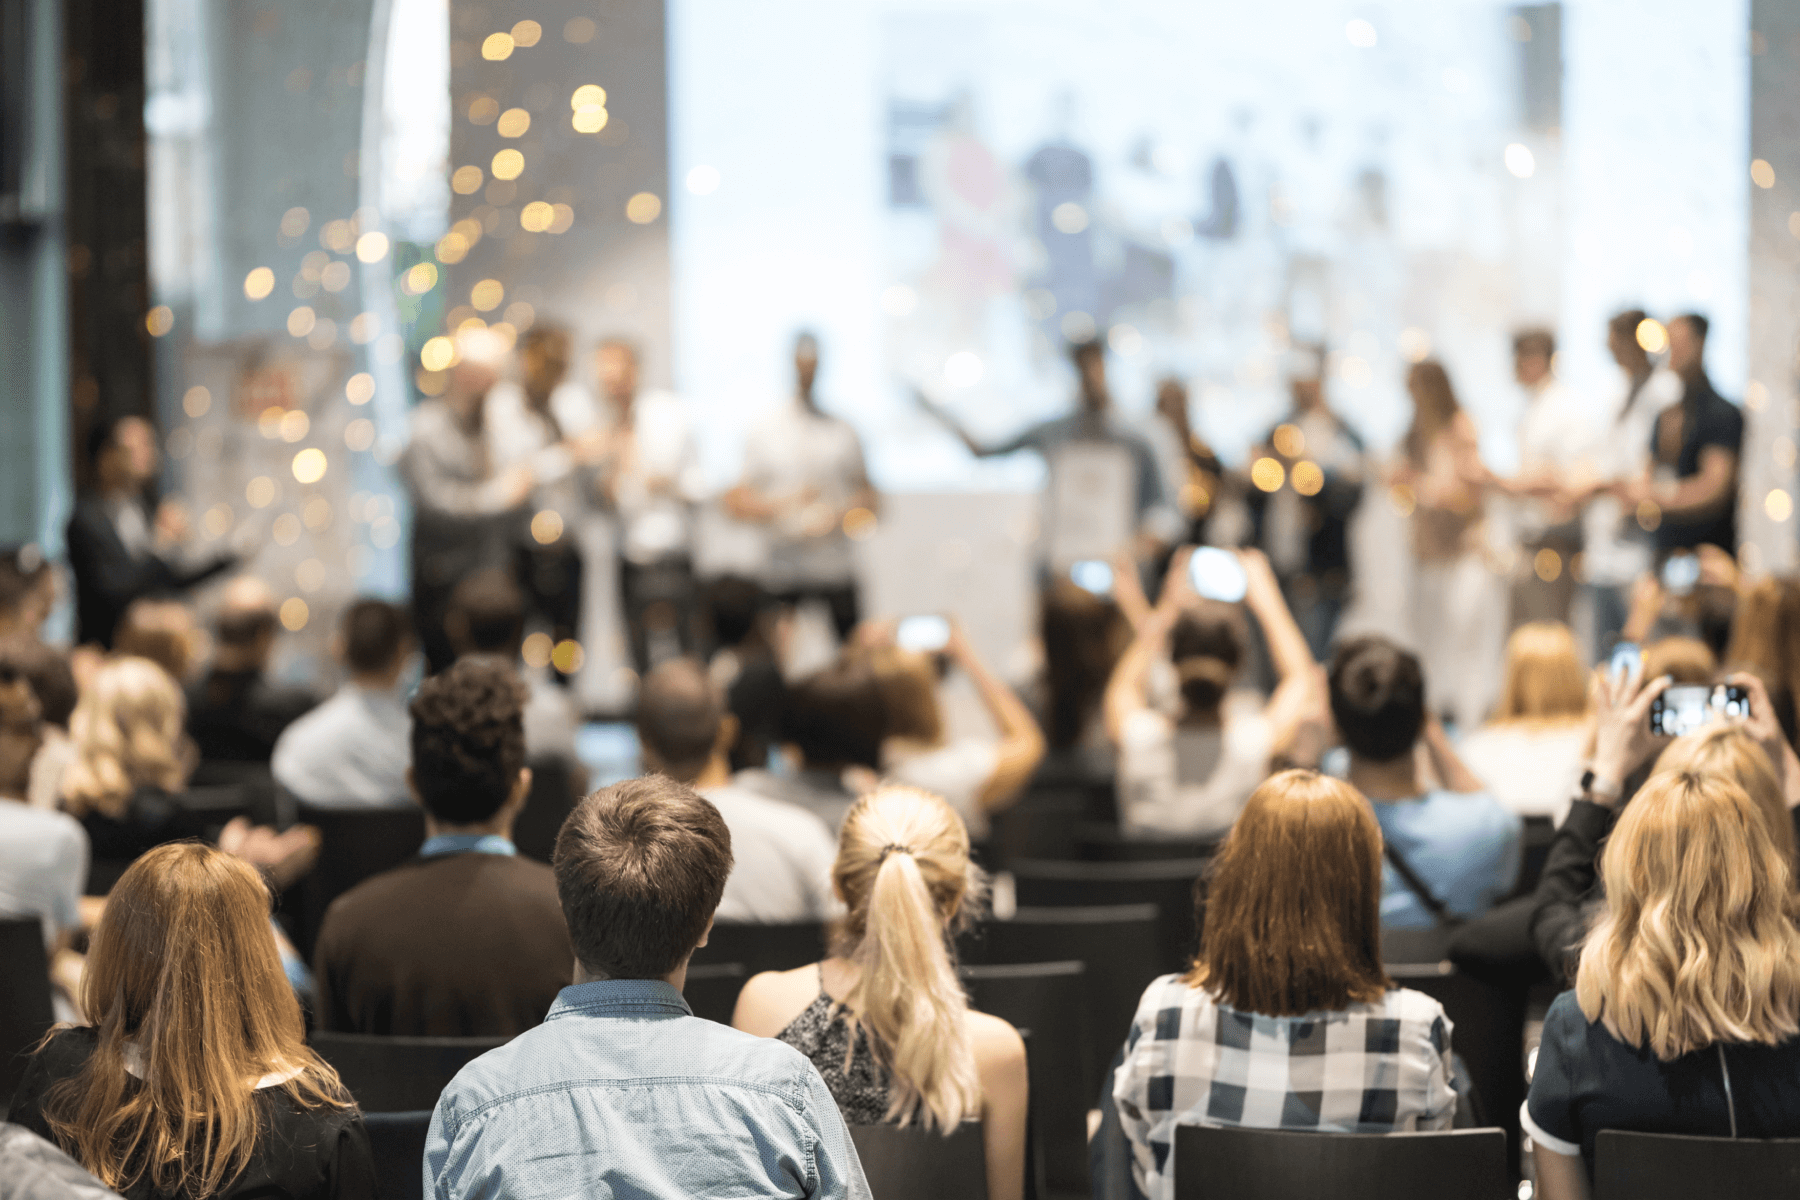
(822, 1033)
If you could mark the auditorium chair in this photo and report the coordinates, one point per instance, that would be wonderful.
(1045, 1002)
(1282, 1164)
(1488, 1035)
(25, 1008)
(1098, 841)
(1661, 1166)
(1170, 884)
(712, 989)
(398, 1074)
(764, 947)
(397, 1144)
(916, 1164)
(551, 801)
(1118, 943)
(355, 844)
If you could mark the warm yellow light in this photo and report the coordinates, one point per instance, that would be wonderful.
(860, 524)
(1652, 336)
(466, 181)
(1762, 174)
(196, 402)
(546, 526)
(372, 247)
(294, 614)
(536, 651)
(497, 46)
(1289, 441)
(438, 354)
(159, 320)
(513, 123)
(285, 529)
(294, 222)
(1548, 564)
(1649, 516)
(294, 425)
(261, 492)
(360, 388)
(452, 248)
(218, 521)
(268, 422)
(588, 94)
(562, 218)
(506, 334)
(483, 109)
(536, 216)
(309, 465)
(1401, 498)
(508, 164)
(487, 294)
(1309, 480)
(1267, 474)
(568, 656)
(1778, 505)
(589, 118)
(359, 434)
(317, 513)
(527, 33)
(520, 315)
(363, 328)
(337, 236)
(420, 277)
(643, 208)
(579, 31)
(335, 277)
(259, 283)
(301, 321)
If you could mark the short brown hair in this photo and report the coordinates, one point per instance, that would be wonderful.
(640, 867)
(468, 740)
(1293, 911)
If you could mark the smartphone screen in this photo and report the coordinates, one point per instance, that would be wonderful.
(1627, 661)
(923, 634)
(1092, 575)
(1680, 573)
(1685, 709)
(1218, 575)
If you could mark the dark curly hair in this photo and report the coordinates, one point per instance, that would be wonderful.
(468, 740)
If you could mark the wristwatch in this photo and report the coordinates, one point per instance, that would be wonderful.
(1603, 791)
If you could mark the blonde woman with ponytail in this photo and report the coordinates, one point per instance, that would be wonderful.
(885, 1019)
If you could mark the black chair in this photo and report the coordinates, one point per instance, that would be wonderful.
(764, 947)
(1281, 1164)
(1100, 842)
(551, 801)
(915, 1164)
(398, 1074)
(397, 1143)
(1488, 1036)
(712, 989)
(1169, 884)
(1119, 944)
(356, 843)
(1661, 1166)
(25, 1008)
(1046, 1001)
(217, 804)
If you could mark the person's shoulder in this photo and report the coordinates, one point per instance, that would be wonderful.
(994, 1040)
(1406, 1004)
(64, 1052)
(1146, 727)
(1167, 992)
(23, 821)
(738, 803)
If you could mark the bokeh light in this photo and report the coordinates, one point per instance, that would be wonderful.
(294, 425)
(335, 277)
(1652, 336)
(589, 118)
(527, 33)
(860, 524)
(643, 208)
(546, 526)
(487, 294)
(1520, 161)
(159, 320)
(1548, 565)
(513, 123)
(1268, 474)
(1309, 479)
(1290, 441)
(359, 434)
(466, 181)
(259, 283)
(301, 320)
(372, 247)
(310, 465)
(317, 513)
(508, 164)
(1125, 340)
(217, 521)
(483, 110)
(1778, 505)
(1762, 174)
(294, 222)
(196, 402)
(452, 248)
(579, 31)
(294, 614)
(1069, 217)
(497, 47)
(520, 315)
(536, 216)
(420, 277)
(1402, 500)
(588, 94)
(360, 388)
(562, 217)
(568, 656)
(438, 354)
(1415, 344)
(536, 650)
(309, 574)
(260, 493)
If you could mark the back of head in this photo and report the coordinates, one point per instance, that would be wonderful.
(48, 671)
(468, 740)
(1377, 698)
(908, 686)
(1624, 325)
(737, 605)
(640, 868)
(1083, 636)
(836, 718)
(1728, 749)
(1544, 679)
(1697, 944)
(904, 871)
(376, 636)
(1539, 342)
(679, 711)
(127, 733)
(1293, 907)
(1434, 405)
(1207, 647)
(1685, 660)
(487, 615)
(245, 628)
(185, 970)
(1697, 323)
(23, 570)
(162, 631)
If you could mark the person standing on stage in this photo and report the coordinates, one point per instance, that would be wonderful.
(462, 503)
(1303, 526)
(118, 551)
(1190, 469)
(804, 473)
(1553, 438)
(1691, 487)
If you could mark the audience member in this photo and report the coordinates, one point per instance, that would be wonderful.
(193, 1078)
(1687, 999)
(43, 853)
(1190, 468)
(1765, 640)
(782, 854)
(1452, 848)
(118, 550)
(749, 630)
(1189, 776)
(467, 939)
(1286, 1018)
(351, 751)
(1554, 435)
(52, 684)
(884, 1019)
(1083, 636)
(977, 775)
(832, 726)
(32, 1168)
(622, 1091)
(1530, 753)
(487, 618)
(235, 713)
(163, 631)
(27, 591)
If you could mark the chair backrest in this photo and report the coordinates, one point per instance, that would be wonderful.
(1281, 1164)
(1120, 945)
(1102, 842)
(1170, 884)
(913, 1164)
(1046, 1000)
(398, 1074)
(764, 947)
(551, 801)
(397, 1144)
(712, 989)
(25, 1009)
(1489, 1037)
(1662, 1166)
(356, 843)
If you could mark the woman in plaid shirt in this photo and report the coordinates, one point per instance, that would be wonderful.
(1286, 1019)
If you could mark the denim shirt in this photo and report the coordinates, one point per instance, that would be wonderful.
(623, 1092)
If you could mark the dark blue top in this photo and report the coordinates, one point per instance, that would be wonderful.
(1707, 419)
(1588, 1080)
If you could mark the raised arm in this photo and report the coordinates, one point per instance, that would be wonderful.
(1449, 767)
(1125, 694)
(1021, 741)
(1295, 698)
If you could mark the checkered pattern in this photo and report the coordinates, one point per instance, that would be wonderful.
(1190, 1060)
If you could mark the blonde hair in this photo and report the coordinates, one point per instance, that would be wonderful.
(1697, 944)
(1544, 680)
(904, 871)
(1684, 659)
(908, 688)
(127, 731)
(185, 976)
(1729, 750)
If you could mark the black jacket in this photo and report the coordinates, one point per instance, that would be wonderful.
(108, 578)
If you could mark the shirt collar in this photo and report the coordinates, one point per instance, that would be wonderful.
(467, 843)
(601, 996)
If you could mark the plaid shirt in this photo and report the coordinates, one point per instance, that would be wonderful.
(1371, 1068)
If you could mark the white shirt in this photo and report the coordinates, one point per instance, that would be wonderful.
(782, 858)
(957, 771)
(1553, 435)
(1176, 782)
(350, 752)
(796, 450)
(1531, 770)
(43, 866)
(658, 525)
(1614, 548)
(516, 434)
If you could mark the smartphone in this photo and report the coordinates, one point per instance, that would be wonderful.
(1680, 572)
(1627, 662)
(1093, 575)
(1218, 575)
(1682, 710)
(924, 634)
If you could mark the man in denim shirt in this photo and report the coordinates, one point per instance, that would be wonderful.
(622, 1091)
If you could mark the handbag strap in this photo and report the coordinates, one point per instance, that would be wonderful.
(1440, 912)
